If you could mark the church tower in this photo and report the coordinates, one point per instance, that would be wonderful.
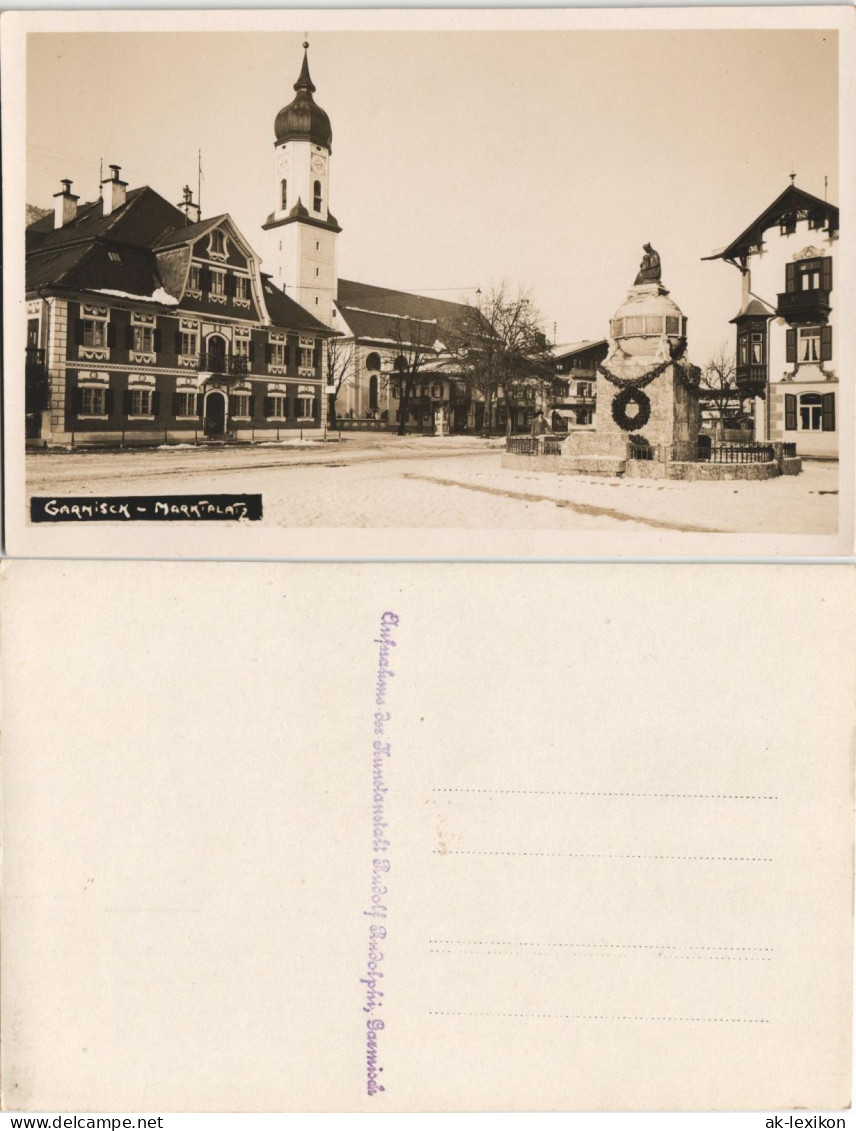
(300, 234)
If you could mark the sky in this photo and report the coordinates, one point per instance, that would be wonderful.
(464, 159)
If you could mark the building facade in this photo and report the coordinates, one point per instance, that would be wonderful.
(572, 401)
(785, 342)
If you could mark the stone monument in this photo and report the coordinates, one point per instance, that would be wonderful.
(647, 403)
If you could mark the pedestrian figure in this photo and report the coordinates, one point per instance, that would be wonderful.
(540, 425)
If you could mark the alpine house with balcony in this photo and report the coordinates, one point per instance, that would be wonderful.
(786, 348)
(148, 323)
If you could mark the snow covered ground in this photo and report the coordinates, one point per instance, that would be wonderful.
(387, 481)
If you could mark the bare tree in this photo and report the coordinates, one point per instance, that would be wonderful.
(719, 383)
(416, 342)
(340, 372)
(501, 352)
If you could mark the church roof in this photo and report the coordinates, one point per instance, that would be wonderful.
(303, 119)
(789, 203)
(374, 313)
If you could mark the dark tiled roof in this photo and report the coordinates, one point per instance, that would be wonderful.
(188, 233)
(142, 219)
(374, 312)
(570, 349)
(791, 200)
(284, 311)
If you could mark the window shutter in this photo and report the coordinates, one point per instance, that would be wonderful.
(790, 277)
(108, 402)
(230, 284)
(268, 353)
(790, 413)
(155, 404)
(828, 424)
(178, 342)
(78, 332)
(826, 343)
(158, 341)
(111, 333)
(126, 402)
(826, 277)
(252, 406)
(205, 279)
(268, 406)
(129, 337)
(252, 351)
(231, 405)
(78, 401)
(791, 346)
(200, 401)
(175, 405)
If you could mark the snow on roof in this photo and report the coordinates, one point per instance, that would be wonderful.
(159, 296)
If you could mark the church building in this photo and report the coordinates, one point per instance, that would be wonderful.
(786, 349)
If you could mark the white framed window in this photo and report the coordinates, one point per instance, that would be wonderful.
(94, 331)
(811, 412)
(306, 406)
(189, 343)
(141, 402)
(242, 287)
(93, 402)
(307, 358)
(144, 339)
(809, 343)
(277, 407)
(241, 347)
(218, 242)
(194, 282)
(185, 404)
(277, 353)
(218, 282)
(241, 405)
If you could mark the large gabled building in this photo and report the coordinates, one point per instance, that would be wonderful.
(786, 351)
(381, 328)
(152, 325)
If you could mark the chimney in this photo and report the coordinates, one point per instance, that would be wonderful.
(113, 191)
(66, 205)
(190, 210)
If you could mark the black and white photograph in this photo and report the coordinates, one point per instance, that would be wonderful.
(519, 286)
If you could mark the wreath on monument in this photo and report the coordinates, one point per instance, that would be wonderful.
(676, 352)
(619, 409)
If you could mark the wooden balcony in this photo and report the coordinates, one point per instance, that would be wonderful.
(752, 379)
(803, 306)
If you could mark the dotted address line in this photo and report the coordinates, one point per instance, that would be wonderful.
(605, 793)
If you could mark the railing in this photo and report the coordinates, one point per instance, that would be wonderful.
(522, 445)
(551, 445)
(218, 363)
(641, 449)
(798, 304)
(736, 453)
(789, 451)
(751, 378)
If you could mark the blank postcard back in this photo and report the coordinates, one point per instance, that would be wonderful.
(479, 837)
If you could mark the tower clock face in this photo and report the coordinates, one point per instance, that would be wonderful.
(282, 161)
(318, 162)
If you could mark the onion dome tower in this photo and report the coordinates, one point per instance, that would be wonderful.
(300, 233)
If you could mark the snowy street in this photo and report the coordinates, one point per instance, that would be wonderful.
(389, 481)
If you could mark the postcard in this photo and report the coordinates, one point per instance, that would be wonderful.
(382, 838)
(428, 284)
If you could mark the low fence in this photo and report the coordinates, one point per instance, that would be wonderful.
(166, 437)
(702, 451)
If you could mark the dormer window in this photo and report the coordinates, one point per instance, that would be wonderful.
(193, 283)
(787, 225)
(316, 196)
(217, 245)
(283, 195)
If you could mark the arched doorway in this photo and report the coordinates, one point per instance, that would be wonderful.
(373, 388)
(215, 413)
